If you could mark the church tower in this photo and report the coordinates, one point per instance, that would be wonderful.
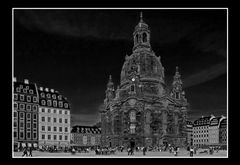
(110, 92)
(177, 92)
(141, 36)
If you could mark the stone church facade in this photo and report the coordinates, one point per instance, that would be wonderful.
(143, 110)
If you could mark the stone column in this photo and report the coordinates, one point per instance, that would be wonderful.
(164, 121)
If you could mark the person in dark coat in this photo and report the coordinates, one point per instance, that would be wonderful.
(30, 152)
(144, 150)
(25, 151)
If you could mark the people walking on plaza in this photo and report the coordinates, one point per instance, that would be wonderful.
(191, 151)
(144, 150)
(25, 151)
(30, 151)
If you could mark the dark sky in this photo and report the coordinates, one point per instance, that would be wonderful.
(74, 51)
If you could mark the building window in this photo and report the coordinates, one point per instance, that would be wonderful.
(43, 102)
(132, 128)
(29, 98)
(61, 104)
(55, 137)
(34, 116)
(29, 107)
(54, 103)
(28, 115)
(22, 97)
(43, 95)
(15, 114)
(54, 96)
(18, 89)
(15, 106)
(55, 129)
(34, 108)
(59, 97)
(49, 128)
(60, 120)
(21, 124)
(66, 129)
(66, 112)
(15, 134)
(34, 99)
(22, 106)
(24, 91)
(21, 115)
(54, 120)
(60, 137)
(66, 137)
(60, 129)
(21, 135)
(49, 103)
(31, 91)
(49, 119)
(34, 135)
(34, 125)
(49, 110)
(60, 112)
(132, 116)
(49, 137)
(66, 105)
(43, 128)
(66, 121)
(29, 135)
(43, 118)
(48, 95)
(15, 96)
(132, 88)
(54, 111)
(15, 124)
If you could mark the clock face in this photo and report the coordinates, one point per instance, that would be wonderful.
(132, 102)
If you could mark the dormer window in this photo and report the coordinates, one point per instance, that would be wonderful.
(66, 105)
(48, 95)
(54, 96)
(18, 90)
(42, 95)
(31, 91)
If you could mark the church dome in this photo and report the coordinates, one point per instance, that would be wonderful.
(142, 63)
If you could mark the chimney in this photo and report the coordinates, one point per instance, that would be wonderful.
(52, 90)
(14, 79)
(46, 89)
(26, 81)
(41, 88)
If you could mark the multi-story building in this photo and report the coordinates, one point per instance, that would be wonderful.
(143, 110)
(189, 131)
(223, 131)
(210, 131)
(201, 131)
(85, 136)
(54, 118)
(25, 114)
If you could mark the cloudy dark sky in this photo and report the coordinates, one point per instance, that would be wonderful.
(74, 51)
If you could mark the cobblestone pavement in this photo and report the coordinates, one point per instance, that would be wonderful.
(182, 154)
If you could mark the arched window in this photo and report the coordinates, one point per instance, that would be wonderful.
(144, 37)
(132, 88)
(132, 116)
(137, 38)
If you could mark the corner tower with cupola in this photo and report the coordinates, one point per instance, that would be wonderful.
(141, 112)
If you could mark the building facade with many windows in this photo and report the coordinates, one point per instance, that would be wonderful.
(210, 131)
(25, 114)
(85, 136)
(54, 118)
